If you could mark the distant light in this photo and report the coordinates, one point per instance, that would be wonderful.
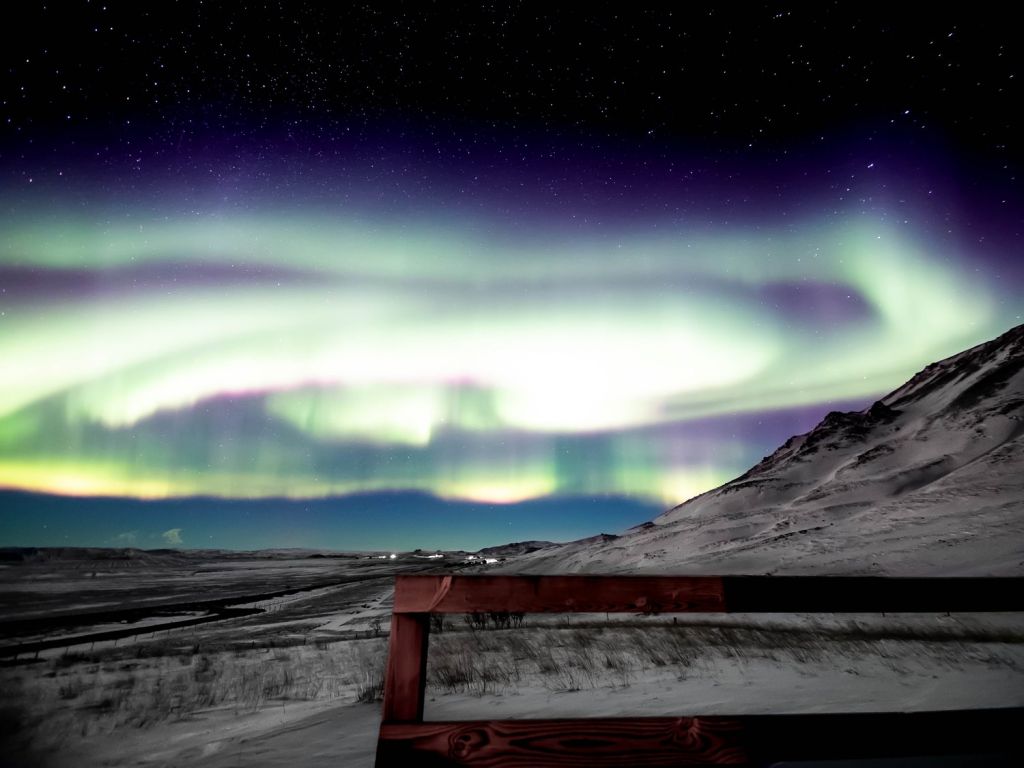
(393, 555)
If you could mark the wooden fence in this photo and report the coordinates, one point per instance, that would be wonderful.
(405, 740)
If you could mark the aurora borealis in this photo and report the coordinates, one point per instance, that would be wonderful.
(543, 314)
(435, 360)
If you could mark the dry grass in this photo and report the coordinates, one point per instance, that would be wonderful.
(568, 657)
(75, 696)
(52, 703)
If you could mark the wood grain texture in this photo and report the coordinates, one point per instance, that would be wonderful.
(558, 594)
(541, 743)
(709, 741)
(405, 678)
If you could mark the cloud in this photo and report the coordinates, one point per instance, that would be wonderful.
(127, 538)
(172, 537)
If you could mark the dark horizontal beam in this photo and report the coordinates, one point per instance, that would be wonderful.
(848, 594)
(745, 740)
(674, 594)
(556, 594)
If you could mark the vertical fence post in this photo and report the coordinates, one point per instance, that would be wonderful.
(406, 677)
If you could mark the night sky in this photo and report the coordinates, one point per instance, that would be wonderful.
(558, 269)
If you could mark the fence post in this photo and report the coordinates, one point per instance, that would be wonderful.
(406, 677)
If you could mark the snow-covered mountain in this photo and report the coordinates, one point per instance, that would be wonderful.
(929, 480)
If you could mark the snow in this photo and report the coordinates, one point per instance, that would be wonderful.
(927, 481)
(306, 734)
(883, 674)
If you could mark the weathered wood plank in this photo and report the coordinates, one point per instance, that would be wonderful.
(540, 743)
(667, 594)
(557, 594)
(745, 740)
(405, 678)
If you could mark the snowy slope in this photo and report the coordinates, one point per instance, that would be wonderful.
(928, 480)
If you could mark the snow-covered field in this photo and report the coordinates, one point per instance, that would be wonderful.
(179, 708)
(165, 695)
(298, 706)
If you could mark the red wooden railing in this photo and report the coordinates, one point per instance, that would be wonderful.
(405, 740)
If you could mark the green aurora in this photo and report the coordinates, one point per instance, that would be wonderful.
(246, 355)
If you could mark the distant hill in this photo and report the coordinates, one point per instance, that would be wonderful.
(928, 480)
(516, 548)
